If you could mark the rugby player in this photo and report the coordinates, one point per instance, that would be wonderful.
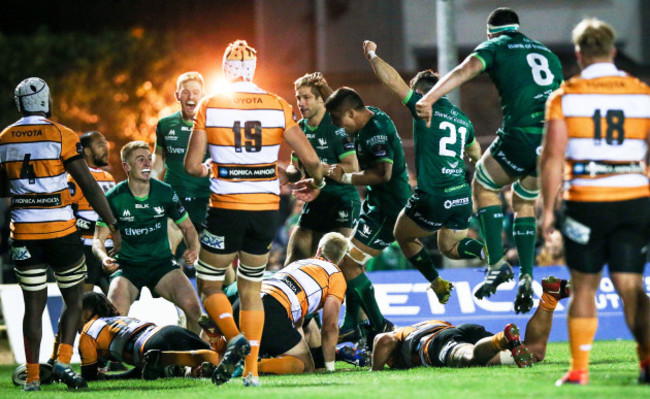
(95, 152)
(437, 343)
(383, 172)
(525, 73)
(598, 125)
(172, 135)
(443, 199)
(337, 205)
(35, 153)
(142, 206)
(243, 129)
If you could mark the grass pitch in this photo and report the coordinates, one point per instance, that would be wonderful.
(613, 374)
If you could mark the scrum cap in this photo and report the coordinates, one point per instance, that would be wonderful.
(32, 95)
(239, 61)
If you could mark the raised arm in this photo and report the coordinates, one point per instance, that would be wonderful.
(385, 72)
(464, 72)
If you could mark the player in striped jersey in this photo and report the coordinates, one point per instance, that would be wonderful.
(597, 128)
(105, 334)
(242, 129)
(436, 343)
(35, 153)
(95, 152)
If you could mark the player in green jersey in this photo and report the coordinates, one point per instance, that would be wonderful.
(383, 172)
(442, 200)
(525, 73)
(172, 136)
(337, 206)
(142, 206)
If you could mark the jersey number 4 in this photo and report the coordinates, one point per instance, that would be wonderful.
(27, 169)
(252, 136)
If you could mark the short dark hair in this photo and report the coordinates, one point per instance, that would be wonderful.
(344, 98)
(424, 80)
(98, 305)
(502, 16)
(86, 139)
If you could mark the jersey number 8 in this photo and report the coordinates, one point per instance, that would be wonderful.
(542, 75)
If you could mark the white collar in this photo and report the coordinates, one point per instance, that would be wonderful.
(245, 87)
(600, 70)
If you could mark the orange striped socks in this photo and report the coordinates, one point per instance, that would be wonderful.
(220, 310)
(581, 335)
(499, 341)
(252, 324)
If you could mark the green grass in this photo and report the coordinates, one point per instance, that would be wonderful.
(613, 374)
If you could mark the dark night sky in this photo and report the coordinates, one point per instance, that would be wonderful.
(24, 17)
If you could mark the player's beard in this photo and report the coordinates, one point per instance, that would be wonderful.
(101, 162)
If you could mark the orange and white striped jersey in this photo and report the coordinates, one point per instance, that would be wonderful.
(303, 286)
(32, 154)
(120, 338)
(607, 114)
(244, 131)
(85, 214)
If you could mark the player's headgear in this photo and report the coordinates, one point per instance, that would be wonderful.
(239, 61)
(32, 95)
(501, 20)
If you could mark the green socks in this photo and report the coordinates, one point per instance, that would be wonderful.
(469, 248)
(524, 230)
(352, 308)
(423, 262)
(362, 287)
(491, 219)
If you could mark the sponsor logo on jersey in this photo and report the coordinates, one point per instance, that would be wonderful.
(38, 200)
(83, 224)
(247, 172)
(141, 206)
(175, 150)
(448, 171)
(20, 253)
(456, 202)
(248, 100)
(453, 164)
(126, 216)
(365, 231)
(186, 128)
(213, 241)
(131, 232)
(322, 144)
(160, 211)
(26, 133)
(343, 216)
(172, 132)
(311, 135)
(381, 242)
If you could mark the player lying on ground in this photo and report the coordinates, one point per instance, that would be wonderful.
(467, 345)
(150, 348)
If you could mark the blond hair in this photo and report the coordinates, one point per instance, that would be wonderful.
(333, 246)
(128, 148)
(593, 38)
(306, 81)
(188, 76)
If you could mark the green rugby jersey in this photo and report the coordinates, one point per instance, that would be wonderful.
(173, 135)
(143, 221)
(331, 145)
(440, 149)
(525, 72)
(378, 141)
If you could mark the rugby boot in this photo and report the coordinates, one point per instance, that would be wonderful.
(496, 275)
(252, 380)
(237, 349)
(45, 374)
(644, 372)
(205, 370)
(349, 334)
(32, 386)
(524, 298)
(66, 375)
(151, 369)
(577, 377)
(442, 288)
(521, 355)
(352, 354)
(555, 287)
(216, 340)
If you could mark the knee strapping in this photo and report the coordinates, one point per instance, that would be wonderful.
(251, 273)
(32, 280)
(483, 177)
(71, 277)
(523, 193)
(358, 255)
(209, 273)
